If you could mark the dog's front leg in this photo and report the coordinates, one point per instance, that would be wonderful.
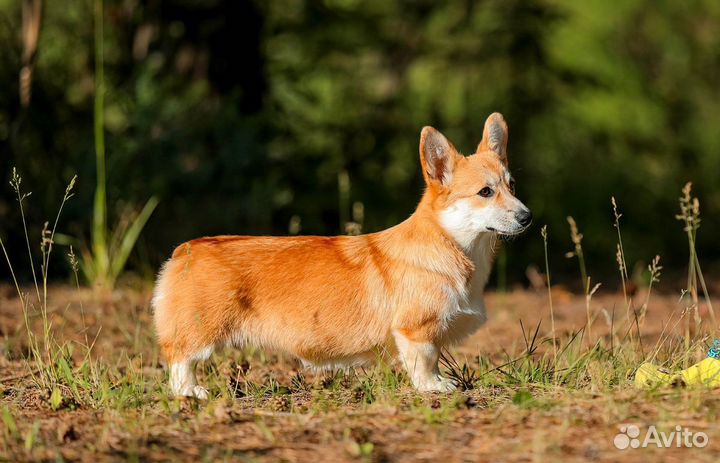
(421, 362)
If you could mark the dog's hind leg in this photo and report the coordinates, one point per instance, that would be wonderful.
(183, 382)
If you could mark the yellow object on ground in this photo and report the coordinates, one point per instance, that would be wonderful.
(705, 373)
(650, 376)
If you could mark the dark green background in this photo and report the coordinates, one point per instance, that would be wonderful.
(239, 115)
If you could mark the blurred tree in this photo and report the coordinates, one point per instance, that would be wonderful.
(242, 116)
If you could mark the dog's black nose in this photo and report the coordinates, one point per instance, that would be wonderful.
(524, 218)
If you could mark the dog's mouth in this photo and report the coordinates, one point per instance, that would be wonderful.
(509, 234)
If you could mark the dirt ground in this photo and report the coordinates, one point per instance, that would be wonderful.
(265, 408)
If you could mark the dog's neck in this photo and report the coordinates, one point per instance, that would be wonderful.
(482, 255)
(478, 249)
(434, 247)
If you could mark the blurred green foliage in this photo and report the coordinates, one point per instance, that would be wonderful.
(242, 115)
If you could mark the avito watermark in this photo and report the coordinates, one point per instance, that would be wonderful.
(629, 437)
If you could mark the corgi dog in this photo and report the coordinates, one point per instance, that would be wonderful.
(341, 301)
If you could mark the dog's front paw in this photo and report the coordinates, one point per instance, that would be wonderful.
(197, 392)
(436, 383)
(200, 392)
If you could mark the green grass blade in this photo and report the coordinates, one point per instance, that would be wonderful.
(99, 229)
(9, 421)
(130, 238)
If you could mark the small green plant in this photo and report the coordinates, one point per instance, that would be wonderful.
(56, 398)
(690, 216)
(543, 232)
(9, 421)
(44, 352)
(577, 238)
(620, 256)
(50, 361)
(654, 269)
(31, 436)
(522, 398)
(105, 259)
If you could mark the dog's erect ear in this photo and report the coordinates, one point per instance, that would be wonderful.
(495, 136)
(437, 156)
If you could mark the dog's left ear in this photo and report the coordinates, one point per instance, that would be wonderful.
(495, 136)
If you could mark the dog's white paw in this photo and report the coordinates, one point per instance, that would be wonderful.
(197, 392)
(436, 383)
(200, 392)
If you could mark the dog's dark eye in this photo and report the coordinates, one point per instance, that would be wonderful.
(486, 192)
(511, 184)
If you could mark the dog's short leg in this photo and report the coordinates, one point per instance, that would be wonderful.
(183, 382)
(421, 362)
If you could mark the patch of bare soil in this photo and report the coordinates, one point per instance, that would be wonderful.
(300, 416)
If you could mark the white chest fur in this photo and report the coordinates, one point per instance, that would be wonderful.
(482, 256)
(467, 312)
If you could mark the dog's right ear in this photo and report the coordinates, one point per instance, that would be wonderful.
(437, 156)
